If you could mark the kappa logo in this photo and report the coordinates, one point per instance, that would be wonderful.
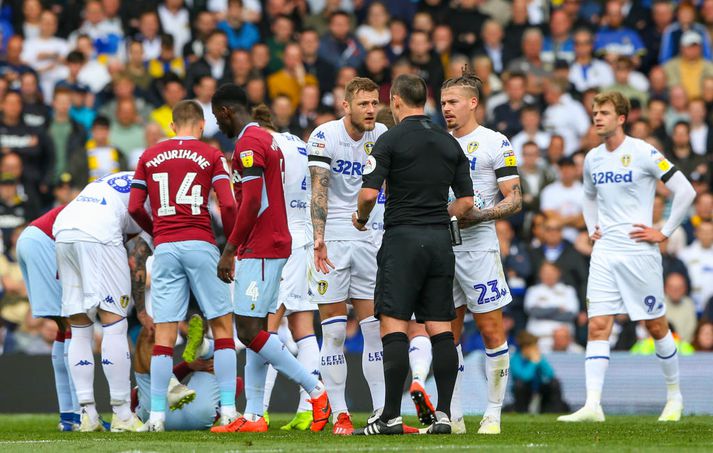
(109, 300)
(472, 147)
(320, 135)
(626, 160)
(322, 286)
(124, 301)
(107, 362)
(368, 146)
(505, 143)
(83, 363)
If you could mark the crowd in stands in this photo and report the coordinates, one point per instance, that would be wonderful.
(85, 86)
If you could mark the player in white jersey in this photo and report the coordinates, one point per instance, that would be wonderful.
(94, 272)
(344, 265)
(480, 283)
(625, 274)
(292, 299)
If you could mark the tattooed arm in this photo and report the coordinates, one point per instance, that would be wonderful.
(139, 254)
(318, 210)
(509, 205)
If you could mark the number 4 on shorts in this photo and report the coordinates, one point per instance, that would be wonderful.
(252, 291)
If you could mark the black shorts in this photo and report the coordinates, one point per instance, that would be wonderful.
(415, 276)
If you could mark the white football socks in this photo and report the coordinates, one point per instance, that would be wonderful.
(595, 369)
(497, 369)
(333, 366)
(419, 356)
(372, 360)
(81, 363)
(116, 362)
(456, 409)
(308, 356)
(270, 378)
(667, 354)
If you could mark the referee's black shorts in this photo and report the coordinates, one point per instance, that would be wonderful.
(415, 276)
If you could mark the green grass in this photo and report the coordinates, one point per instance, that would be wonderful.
(520, 432)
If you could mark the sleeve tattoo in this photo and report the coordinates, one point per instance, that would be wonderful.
(140, 252)
(318, 209)
(509, 205)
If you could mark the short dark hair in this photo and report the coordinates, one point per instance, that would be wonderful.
(566, 162)
(76, 56)
(339, 12)
(101, 121)
(411, 88)
(187, 112)
(230, 95)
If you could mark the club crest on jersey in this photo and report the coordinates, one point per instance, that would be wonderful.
(124, 301)
(322, 287)
(472, 147)
(626, 160)
(369, 166)
(246, 157)
(368, 146)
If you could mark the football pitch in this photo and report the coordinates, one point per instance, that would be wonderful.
(520, 432)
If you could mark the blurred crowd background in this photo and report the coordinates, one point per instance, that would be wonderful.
(86, 86)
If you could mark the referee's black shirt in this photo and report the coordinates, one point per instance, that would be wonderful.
(419, 161)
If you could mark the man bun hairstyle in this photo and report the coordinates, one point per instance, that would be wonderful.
(467, 80)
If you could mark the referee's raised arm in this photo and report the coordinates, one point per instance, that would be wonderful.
(419, 162)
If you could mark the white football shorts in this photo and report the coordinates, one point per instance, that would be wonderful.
(293, 287)
(480, 282)
(353, 276)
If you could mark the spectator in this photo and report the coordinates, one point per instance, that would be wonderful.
(614, 40)
(690, 67)
(92, 74)
(531, 61)
(290, 80)
(532, 375)
(173, 92)
(303, 121)
(127, 128)
(319, 20)
(680, 309)
(682, 155)
(376, 67)
(15, 210)
(123, 88)
(645, 345)
(314, 64)
(375, 32)
(703, 341)
(701, 135)
(556, 250)
(153, 135)
(702, 212)
(530, 121)
(677, 241)
(422, 21)
(563, 199)
(466, 21)
(167, 61)
(564, 116)
(46, 53)
(282, 112)
(282, 33)
(241, 67)
(533, 176)
(148, 36)
(586, 71)
(426, 62)
(256, 90)
(443, 46)
(213, 62)
(519, 22)
(204, 89)
(175, 21)
(204, 24)
(628, 82)
(562, 341)
(12, 65)
(260, 58)
(661, 17)
(31, 144)
(105, 34)
(658, 85)
(240, 34)
(135, 67)
(81, 112)
(672, 38)
(517, 268)
(492, 46)
(100, 158)
(399, 35)
(559, 44)
(35, 112)
(67, 135)
(339, 45)
(506, 116)
(698, 258)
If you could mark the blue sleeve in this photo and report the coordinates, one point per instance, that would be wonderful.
(252, 36)
(521, 369)
(545, 371)
(640, 48)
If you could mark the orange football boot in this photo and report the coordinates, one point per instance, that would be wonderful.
(321, 410)
(344, 425)
(242, 425)
(424, 408)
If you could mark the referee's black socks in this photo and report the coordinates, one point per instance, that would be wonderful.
(445, 369)
(396, 368)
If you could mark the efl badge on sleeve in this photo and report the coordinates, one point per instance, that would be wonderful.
(510, 159)
(663, 164)
(246, 157)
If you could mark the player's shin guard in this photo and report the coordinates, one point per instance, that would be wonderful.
(667, 354)
(226, 370)
(81, 362)
(395, 372)
(61, 375)
(308, 356)
(255, 375)
(372, 362)
(161, 373)
(445, 369)
(271, 349)
(595, 369)
(116, 362)
(497, 369)
(72, 389)
(419, 356)
(333, 366)
(270, 379)
(456, 409)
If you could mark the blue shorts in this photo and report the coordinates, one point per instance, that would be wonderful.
(180, 267)
(257, 285)
(38, 263)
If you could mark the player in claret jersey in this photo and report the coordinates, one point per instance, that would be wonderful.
(176, 175)
(261, 238)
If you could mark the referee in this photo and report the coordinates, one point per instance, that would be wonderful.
(419, 162)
